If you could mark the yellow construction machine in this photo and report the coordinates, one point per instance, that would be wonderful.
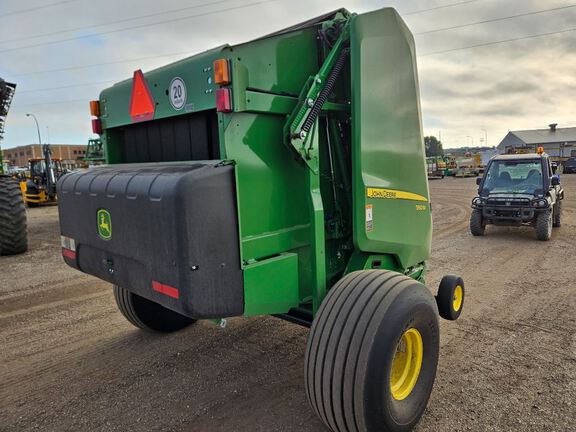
(39, 184)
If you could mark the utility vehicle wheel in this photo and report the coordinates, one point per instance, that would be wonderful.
(544, 225)
(148, 315)
(372, 353)
(477, 225)
(557, 214)
(13, 235)
(450, 298)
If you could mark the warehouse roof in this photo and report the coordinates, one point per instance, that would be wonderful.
(543, 136)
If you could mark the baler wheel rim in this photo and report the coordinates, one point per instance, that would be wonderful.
(458, 298)
(406, 364)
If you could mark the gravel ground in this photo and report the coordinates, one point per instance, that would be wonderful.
(69, 361)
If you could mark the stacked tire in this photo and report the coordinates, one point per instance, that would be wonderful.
(13, 236)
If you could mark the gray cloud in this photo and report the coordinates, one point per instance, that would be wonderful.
(523, 84)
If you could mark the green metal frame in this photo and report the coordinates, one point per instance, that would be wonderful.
(305, 197)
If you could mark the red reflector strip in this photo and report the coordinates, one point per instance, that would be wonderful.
(165, 289)
(223, 100)
(67, 253)
(97, 126)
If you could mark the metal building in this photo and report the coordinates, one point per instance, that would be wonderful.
(69, 153)
(557, 142)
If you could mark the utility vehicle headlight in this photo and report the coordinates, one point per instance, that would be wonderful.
(477, 201)
(539, 203)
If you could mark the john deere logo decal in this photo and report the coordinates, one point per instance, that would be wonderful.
(104, 224)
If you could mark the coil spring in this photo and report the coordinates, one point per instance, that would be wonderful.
(325, 92)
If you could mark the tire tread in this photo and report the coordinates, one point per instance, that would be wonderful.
(337, 351)
(13, 226)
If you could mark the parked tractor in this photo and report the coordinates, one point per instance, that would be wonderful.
(94, 152)
(13, 234)
(285, 176)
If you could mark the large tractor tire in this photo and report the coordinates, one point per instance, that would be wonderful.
(557, 214)
(13, 235)
(544, 226)
(147, 315)
(372, 353)
(477, 225)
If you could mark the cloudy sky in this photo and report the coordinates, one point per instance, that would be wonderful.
(61, 53)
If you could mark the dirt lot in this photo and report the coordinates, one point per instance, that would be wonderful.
(69, 361)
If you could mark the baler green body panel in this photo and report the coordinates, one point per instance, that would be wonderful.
(195, 71)
(388, 151)
(303, 223)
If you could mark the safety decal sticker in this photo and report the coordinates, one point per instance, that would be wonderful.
(177, 93)
(369, 218)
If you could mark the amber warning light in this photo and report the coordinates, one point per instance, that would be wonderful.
(221, 72)
(95, 108)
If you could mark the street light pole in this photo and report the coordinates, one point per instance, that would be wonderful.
(485, 137)
(37, 127)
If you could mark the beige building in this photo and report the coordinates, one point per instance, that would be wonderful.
(69, 153)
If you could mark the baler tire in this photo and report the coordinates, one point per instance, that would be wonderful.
(477, 225)
(13, 233)
(544, 225)
(557, 222)
(450, 297)
(354, 343)
(148, 315)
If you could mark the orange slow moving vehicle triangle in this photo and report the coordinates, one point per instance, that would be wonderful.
(141, 102)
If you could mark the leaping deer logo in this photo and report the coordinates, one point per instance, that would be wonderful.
(104, 224)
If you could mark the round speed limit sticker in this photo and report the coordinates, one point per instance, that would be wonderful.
(177, 93)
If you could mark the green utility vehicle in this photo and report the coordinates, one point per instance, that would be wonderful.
(13, 234)
(283, 176)
(94, 152)
(519, 189)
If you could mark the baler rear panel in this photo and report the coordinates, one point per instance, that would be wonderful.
(389, 176)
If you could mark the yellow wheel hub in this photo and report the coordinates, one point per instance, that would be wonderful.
(406, 364)
(458, 297)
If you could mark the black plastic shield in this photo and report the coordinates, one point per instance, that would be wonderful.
(167, 232)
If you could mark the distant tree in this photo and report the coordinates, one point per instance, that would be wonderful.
(433, 146)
